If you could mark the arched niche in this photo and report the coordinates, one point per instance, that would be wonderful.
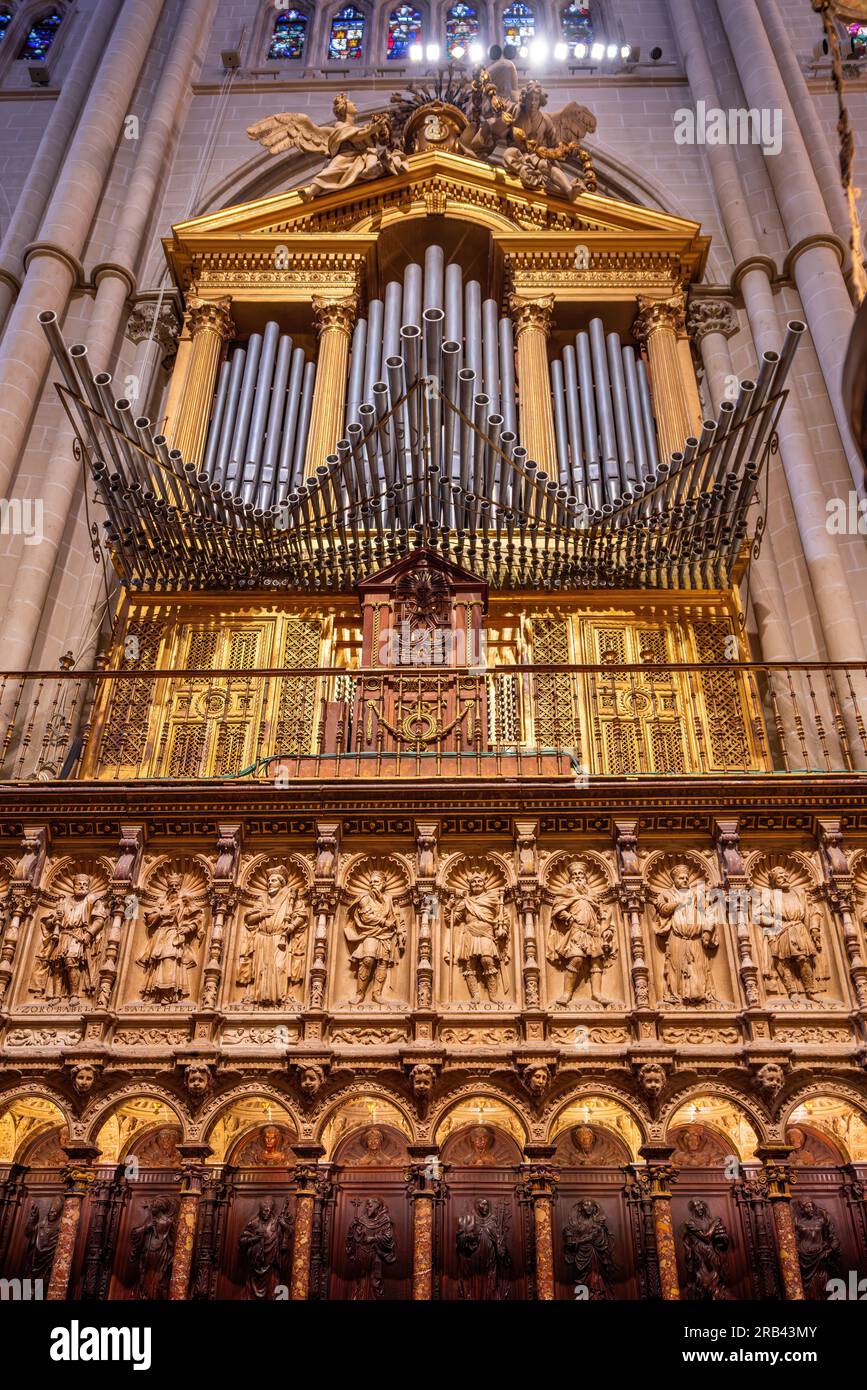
(244, 1121)
(132, 1125)
(829, 1147)
(481, 1110)
(360, 1113)
(26, 1120)
(835, 1124)
(373, 1146)
(33, 1130)
(722, 1120)
(609, 1120)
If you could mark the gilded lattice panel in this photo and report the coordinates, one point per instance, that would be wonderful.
(555, 713)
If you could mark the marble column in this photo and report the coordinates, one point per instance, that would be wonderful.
(334, 319)
(777, 1172)
(711, 323)
(305, 1180)
(210, 328)
(77, 1179)
(539, 1178)
(192, 1185)
(532, 319)
(655, 1177)
(426, 1187)
(659, 325)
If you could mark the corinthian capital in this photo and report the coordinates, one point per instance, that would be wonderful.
(711, 316)
(657, 314)
(532, 313)
(214, 315)
(334, 314)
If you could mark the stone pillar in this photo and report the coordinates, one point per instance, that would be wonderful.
(334, 319)
(660, 326)
(77, 1179)
(192, 1184)
(777, 1172)
(532, 319)
(655, 1178)
(210, 327)
(426, 1187)
(539, 1185)
(711, 322)
(305, 1178)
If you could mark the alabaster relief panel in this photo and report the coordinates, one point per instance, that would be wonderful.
(59, 968)
(794, 938)
(165, 940)
(271, 938)
(690, 953)
(581, 934)
(476, 938)
(373, 935)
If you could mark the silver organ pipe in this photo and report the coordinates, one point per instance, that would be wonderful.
(245, 410)
(372, 349)
(434, 267)
(275, 419)
(231, 411)
(287, 475)
(473, 328)
(636, 420)
(357, 363)
(507, 374)
(560, 425)
(491, 352)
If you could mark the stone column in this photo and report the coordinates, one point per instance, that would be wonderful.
(660, 326)
(425, 1187)
(777, 1172)
(192, 1184)
(711, 322)
(53, 266)
(532, 319)
(539, 1183)
(655, 1178)
(334, 319)
(77, 1179)
(210, 327)
(305, 1178)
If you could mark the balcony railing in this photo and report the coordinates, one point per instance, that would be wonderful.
(577, 722)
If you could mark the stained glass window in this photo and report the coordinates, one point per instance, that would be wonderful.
(41, 37)
(858, 33)
(290, 31)
(462, 27)
(519, 25)
(5, 21)
(576, 26)
(347, 34)
(404, 28)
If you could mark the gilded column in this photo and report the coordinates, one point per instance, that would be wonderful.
(210, 326)
(305, 1179)
(532, 318)
(777, 1172)
(77, 1179)
(660, 324)
(425, 1187)
(654, 1178)
(192, 1184)
(334, 319)
(539, 1184)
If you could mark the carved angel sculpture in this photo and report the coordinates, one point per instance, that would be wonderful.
(356, 153)
(539, 141)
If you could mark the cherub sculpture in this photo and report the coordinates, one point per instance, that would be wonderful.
(537, 141)
(356, 153)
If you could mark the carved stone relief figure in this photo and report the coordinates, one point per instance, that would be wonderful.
(818, 1248)
(584, 1146)
(484, 1262)
(373, 1147)
(274, 949)
(809, 1151)
(43, 1231)
(370, 1244)
(174, 927)
(789, 925)
(152, 1248)
(477, 931)
(697, 1147)
(264, 1245)
(587, 1247)
(687, 926)
(705, 1242)
(66, 965)
(375, 931)
(581, 940)
(356, 153)
(159, 1148)
(267, 1147)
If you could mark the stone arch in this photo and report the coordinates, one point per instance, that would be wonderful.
(482, 1105)
(100, 1111)
(820, 1106)
(722, 1110)
(220, 1106)
(612, 1105)
(14, 1102)
(346, 1113)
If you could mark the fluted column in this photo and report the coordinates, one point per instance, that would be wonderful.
(659, 326)
(334, 319)
(655, 1177)
(77, 1179)
(539, 1179)
(425, 1187)
(210, 327)
(711, 322)
(777, 1172)
(192, 1184)
(532, 320)
(305, 1179)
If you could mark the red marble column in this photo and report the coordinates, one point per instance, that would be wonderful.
(192, 1184)
(655, 1178)
(777, 1172)
(540, 1178)
(77, 1177)
(426, 1187)
(305, 1179)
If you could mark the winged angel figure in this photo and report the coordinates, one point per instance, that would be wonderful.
(356, 153)
(536, 141)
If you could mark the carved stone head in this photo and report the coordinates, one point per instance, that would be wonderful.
(197, 1078)
(652, 1079)
(83, 1077)
(312, 1080)
(769, 1079)
(536, 1080)
(277, 879)
(779, 878)
(81, 885)
(422, 1078)
(681, 876)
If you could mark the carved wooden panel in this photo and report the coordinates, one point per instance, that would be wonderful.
(595, 1258)
(711, 1238)
(254, 1250)
(369, 1255)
